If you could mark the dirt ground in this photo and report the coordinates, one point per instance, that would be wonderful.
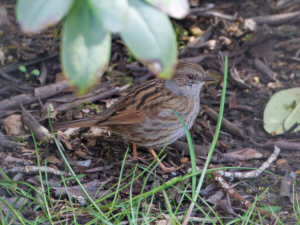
(263, 57)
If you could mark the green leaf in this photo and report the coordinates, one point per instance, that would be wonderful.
(35, 15)
(22, 68)
(150, 37)
(85, 47)
(282, 108)
(174, 8)
(35, 72)
(270, 208)
(112, 13)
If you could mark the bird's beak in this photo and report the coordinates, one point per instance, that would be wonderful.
(208, 79)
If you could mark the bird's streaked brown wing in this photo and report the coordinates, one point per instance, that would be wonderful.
(128, 110)
(141, 103)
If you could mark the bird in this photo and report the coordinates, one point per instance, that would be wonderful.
(145, 116)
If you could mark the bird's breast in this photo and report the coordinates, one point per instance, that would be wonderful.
(166, 126)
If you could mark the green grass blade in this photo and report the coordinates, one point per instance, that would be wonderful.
(212, 147)
(12, 210)
(218, 128)
(44, 197)
(192, 152)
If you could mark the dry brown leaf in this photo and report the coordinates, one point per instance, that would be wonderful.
(14, 126)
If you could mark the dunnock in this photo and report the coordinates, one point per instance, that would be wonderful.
(145, 116)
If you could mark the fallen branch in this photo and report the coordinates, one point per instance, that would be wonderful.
(4, 143)
(230, 127)
(252, 173)
(261, 67)
(90, 97)
(283, 145)
(41, 92)
(35, 170)
(236, 196)
(40, 132)
(213, 13)
(276, 20)
(285, 189)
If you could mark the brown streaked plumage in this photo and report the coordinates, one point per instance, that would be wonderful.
(145, 116)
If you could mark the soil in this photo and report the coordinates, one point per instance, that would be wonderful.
(99, 154)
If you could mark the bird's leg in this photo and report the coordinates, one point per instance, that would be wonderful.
(166, 169)
(134, 153)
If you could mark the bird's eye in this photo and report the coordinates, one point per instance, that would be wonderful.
(191, 76)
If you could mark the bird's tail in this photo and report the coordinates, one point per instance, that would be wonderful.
(72, 124)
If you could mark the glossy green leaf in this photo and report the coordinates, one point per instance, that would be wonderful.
(35, 72)
(34, 15)
(149, 35)
(113, 13)
(174, 8)
(282, 109)
(22, 68)
(85, 47)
